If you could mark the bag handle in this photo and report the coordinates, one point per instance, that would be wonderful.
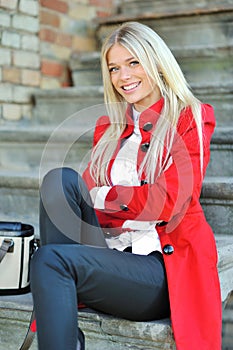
(30, 333)
(7, 246)
(10, 226)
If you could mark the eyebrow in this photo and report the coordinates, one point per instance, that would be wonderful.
(127, 60)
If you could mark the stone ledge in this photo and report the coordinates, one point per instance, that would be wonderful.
(117, 334)
(104, 332)
(160, 6)
(70, 92)
(220, 188)
(85, 60)
(225, 8)
(225, 265)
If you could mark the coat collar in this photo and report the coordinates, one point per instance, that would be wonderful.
(147, 118)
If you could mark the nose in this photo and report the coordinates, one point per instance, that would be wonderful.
(125, 73)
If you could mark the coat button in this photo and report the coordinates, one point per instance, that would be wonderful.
(124, 207)
(148, 126)
(145, 146)
(162, 223)
(168, 249)
(143, 182)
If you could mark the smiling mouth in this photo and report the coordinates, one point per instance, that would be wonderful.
(131, 86)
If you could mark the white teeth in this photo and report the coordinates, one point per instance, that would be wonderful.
(129, 87)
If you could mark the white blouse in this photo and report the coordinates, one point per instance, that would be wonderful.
(143, 238)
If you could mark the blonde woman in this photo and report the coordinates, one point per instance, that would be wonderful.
(138, 200)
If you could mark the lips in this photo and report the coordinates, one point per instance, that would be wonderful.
(130, 86)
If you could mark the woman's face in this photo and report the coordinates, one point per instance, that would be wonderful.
(130, 79)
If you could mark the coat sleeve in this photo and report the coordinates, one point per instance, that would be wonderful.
(173, 190)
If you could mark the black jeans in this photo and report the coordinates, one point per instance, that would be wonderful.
(64, 272)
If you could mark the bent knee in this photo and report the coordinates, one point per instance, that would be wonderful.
(43, 258)
(64, 173)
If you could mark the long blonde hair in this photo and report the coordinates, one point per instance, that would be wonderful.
(161, 66)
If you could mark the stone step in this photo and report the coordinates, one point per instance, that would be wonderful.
(204, 66)
(221, 99)
(180, 29)
(104, 332)
(221, 159)
(42, 147)
(208, 66)
(217, 203)
(228, 325)
(56, 106)
(136, 7)
(35, 147)
(53, 107)
(85, 68)
(19, 199)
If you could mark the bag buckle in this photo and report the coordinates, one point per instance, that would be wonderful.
(7, 246)
(10, 244)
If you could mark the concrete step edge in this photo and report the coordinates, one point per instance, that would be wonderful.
(221, 186)
(35, 133)
(83, 60)
(71, 92)
(222, 135)
(116, 19)
(20, 180)
(97, 90)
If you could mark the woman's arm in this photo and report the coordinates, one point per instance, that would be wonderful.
(174, 188)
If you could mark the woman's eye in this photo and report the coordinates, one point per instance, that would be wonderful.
(134, 63)
(113, 69)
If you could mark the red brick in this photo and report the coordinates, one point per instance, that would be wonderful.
(57, 5)
(52, 68)
(67, 78)
(65, 84)
(102, 14)
(48, 18)
(101, 3)
(64, 39)
(48, 35)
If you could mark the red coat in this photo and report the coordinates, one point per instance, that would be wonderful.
(187, 240)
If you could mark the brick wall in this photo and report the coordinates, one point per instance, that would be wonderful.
(37, 38)
(66, 27)
(19, 57)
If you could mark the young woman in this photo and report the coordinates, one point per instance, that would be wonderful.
(129, 237)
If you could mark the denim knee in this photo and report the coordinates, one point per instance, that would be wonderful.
(66, 175)
(43, 260)
(60, 180)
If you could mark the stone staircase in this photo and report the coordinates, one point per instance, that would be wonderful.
(199, 34)
(58, 136)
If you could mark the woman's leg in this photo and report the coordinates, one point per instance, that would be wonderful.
(66, 212)
(119, 283)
